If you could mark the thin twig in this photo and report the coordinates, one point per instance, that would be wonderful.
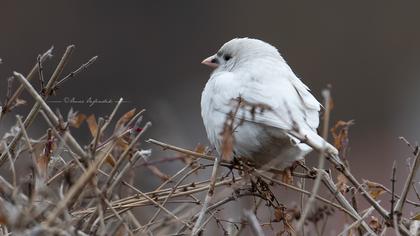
(31, 74)
(253, 222)
(40, 72)
(109, 119)
(400, 203)
(342, 200)
(171, 194)
(12, 165)
(394, 169)
(303, 191)
(321, 159)
(76, 72)
(28, 141)
(58, 70)
(36, 107)
(208, 198)
(75, 189)
(50, 114)
(123, 156)
(182, 150)
(161, 207)
(356, 223)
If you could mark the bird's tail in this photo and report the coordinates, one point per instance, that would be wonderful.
(315, 141)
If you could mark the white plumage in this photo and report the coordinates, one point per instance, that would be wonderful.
(256, 72)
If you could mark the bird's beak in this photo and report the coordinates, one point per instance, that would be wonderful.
(211, 61)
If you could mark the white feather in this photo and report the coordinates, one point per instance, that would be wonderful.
(258, 74)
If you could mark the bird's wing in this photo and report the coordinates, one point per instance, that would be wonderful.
(310, 104)
(290, 103)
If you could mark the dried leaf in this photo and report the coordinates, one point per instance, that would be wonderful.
(110, 160)
(124, 119)
(77, 120)
(121, 143)
(340, 133)
(190, 160)
(287, 176)
(44, 158)
(416, 216)
(200, 148)
(278, 214)
(227, 142)
(342, 183)
(374, 189)
(2, 220)
(42, 164)
(375, 224)
(93, 126)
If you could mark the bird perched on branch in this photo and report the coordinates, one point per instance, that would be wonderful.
(272, 105)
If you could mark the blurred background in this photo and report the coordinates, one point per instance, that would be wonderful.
(150, 53)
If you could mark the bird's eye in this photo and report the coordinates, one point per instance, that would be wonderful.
(227, 57)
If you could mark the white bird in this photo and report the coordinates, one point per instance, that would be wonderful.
(256, 72)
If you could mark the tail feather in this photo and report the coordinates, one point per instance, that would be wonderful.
(317, 142)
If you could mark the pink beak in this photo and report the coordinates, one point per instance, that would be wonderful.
(209, 61)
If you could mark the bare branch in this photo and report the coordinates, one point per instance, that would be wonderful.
(253, 222)
(400, 204)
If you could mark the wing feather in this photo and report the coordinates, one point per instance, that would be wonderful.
(289, 99)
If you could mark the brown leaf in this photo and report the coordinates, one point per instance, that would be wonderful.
(125, 118)
(287, 176)
(282, 214)
(342, 183)
(42, 165)
(375, 224)
(191, 160)
(227, 142)
(44, 158)
(93, 126)
(200, 148)
(77, 120)
(121, 231)
(110, 160)
(121, 143)
(374, 189)
(416, 216)
(2, 220)
(278, 214)
(340, 133)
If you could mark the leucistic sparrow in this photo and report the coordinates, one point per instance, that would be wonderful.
(255, 71)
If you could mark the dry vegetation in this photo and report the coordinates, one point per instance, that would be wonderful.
(90, 190)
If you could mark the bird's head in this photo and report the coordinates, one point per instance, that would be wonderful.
(239, 50)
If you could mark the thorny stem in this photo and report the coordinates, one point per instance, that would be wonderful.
(74, 73)
(394, 169)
